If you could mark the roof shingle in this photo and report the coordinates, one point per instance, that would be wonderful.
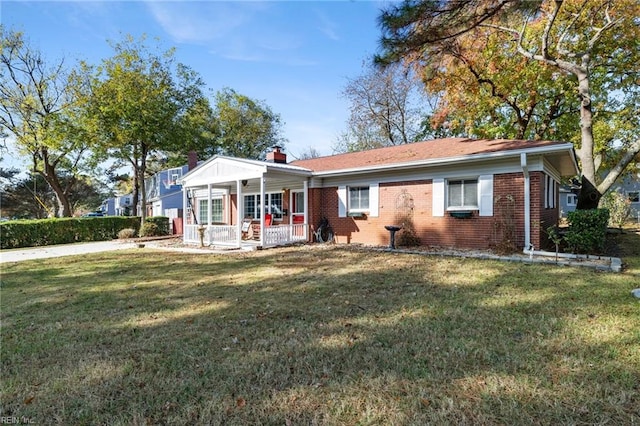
(415, 152)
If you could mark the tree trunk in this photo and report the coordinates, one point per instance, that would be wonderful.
(143, 188)
(49, 175)
(136, 193)
(589, 195)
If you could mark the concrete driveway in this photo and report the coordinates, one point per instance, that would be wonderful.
(18, 255)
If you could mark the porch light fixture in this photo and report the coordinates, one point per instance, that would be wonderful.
(244, 182)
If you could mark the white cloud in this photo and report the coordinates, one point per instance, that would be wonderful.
(241, 31)
(327, 26)
(201, 22)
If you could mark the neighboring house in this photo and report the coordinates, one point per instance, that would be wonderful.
(117, 206)
(629, 186)
(451, 192)
(163, 191)
(568, 199)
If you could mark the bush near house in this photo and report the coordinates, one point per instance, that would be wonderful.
(32, 233)
(587, 231)
(155, 226)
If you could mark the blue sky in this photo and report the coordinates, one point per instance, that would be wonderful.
(295, 56)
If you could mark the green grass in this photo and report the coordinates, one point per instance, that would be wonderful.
(318, 335)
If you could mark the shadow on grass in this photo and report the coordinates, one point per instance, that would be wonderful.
(327, 336)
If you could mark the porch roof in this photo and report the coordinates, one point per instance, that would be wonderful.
(219, 170)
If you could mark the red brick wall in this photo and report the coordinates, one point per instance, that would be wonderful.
(541, 217)
(507, 221)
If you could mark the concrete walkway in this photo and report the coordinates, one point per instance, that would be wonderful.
(18, 255)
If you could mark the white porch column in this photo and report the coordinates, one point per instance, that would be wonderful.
(185, 206)
(305, 196)
(239, 213)
(263, 209)
(227, 215)
(209, 208)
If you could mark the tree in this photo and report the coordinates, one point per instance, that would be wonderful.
(588, 50)
(34, 102)
(244, 127)
(136, 104)
(31, 197)
(386, 109)
(309, 153)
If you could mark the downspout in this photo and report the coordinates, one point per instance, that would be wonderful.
(527, 202)
(305, 186)
(239, 212)
(264, 208)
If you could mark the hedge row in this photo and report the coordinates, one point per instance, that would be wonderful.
(32, 233)
(155, 226)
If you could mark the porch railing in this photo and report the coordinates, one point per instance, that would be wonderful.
(213, 235)
(284, 234)
(225, 235)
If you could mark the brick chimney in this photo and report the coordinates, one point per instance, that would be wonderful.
(192, 158)
(276, 156)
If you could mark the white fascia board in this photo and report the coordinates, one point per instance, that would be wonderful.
(446, 171)
(452, 160)
(219, 180)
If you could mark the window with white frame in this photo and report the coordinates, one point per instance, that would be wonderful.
(275, 204)
(298, 203)
(358, 199)
(572, 200)
(462, 194)
(203, 206)
(216, 211)
(252, 205)
(634, 196)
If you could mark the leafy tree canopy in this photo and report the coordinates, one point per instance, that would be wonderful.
(563, 70)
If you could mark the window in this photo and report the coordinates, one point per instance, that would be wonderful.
(358, 199)
(462, 194)
(634, 197)
(216, 211)
(572, 199)
(203, 206)
(355, 201)
(298, 203)
(252, 205)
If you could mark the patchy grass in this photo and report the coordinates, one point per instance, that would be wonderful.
(318, 335)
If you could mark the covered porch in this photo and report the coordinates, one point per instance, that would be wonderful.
(232, 202)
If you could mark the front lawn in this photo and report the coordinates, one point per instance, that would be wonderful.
(317, 335)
